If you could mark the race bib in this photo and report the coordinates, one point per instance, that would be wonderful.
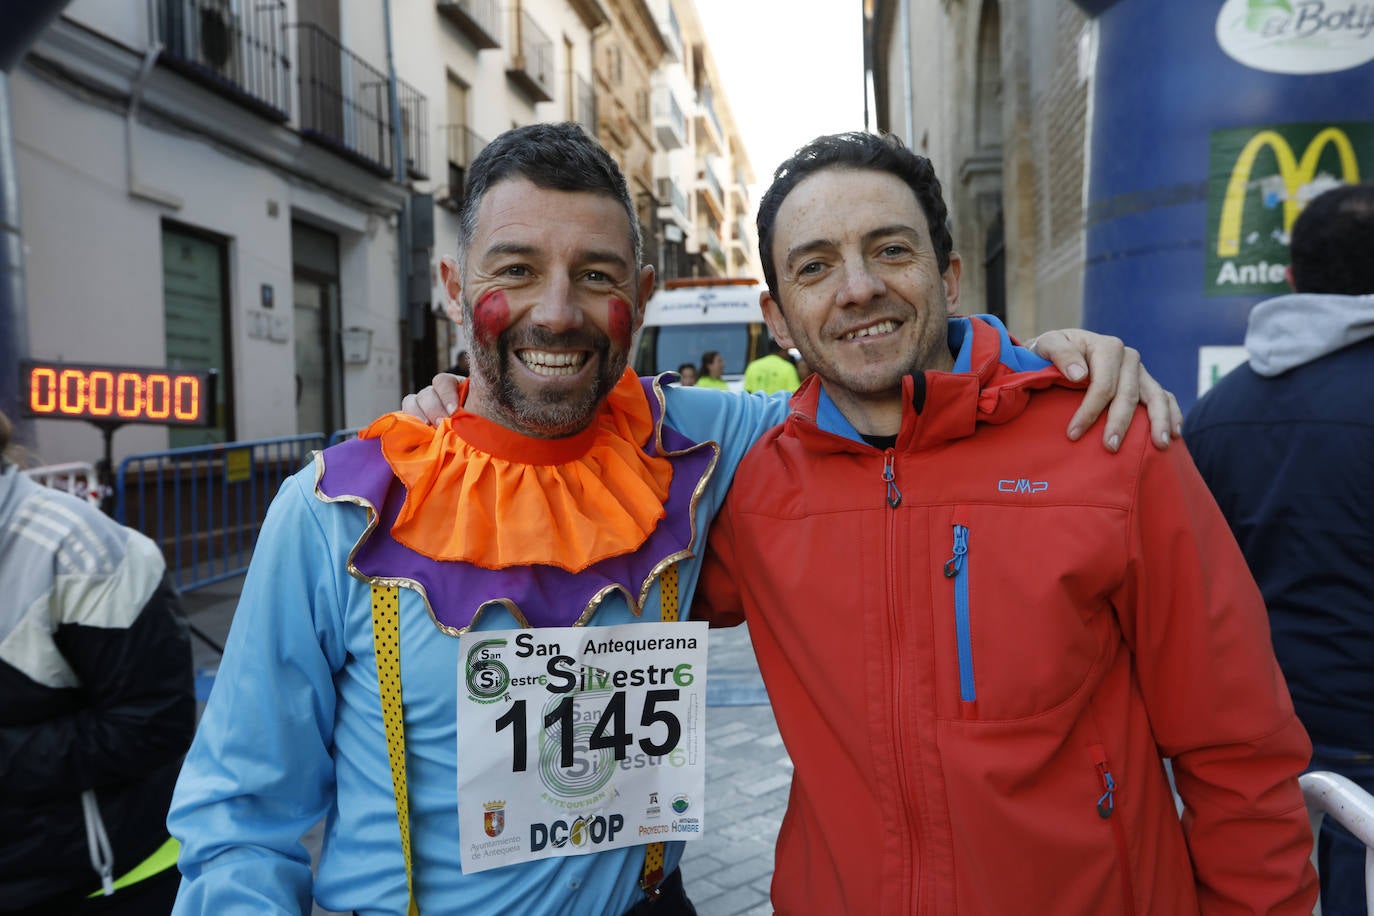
(578, 739)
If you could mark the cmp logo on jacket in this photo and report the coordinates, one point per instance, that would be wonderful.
(1022, 485)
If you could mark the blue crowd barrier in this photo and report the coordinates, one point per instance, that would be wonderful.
(204, 505)
(342, 435)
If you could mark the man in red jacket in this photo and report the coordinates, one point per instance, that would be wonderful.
(979, 698)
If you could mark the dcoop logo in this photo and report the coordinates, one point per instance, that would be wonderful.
(1297, 36)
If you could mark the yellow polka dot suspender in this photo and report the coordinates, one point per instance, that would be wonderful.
(386, 644)
(653, 852)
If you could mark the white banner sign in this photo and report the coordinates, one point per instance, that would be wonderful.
(578, 739)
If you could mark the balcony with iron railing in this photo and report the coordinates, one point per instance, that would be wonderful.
(235, 49)
(672, 200)
(740, 237)
(740, 263)
(670, 124)
(463, 146)
(414, 129)
(345, 105)
(709, 186)
(714, 135)
(531, 62)
(666, 19)
(586, 105)
(739, 191)
(711, 251)
(479, 20)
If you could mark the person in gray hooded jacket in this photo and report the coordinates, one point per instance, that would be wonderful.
(1286, 444)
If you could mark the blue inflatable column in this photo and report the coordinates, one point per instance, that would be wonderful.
(1212, 126)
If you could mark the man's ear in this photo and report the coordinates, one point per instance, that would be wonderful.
(777, 324)
(452, 281)
(951, 278)
(1288, 276)
(646, 289)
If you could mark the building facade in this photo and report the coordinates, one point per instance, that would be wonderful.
(701, 168)
(231, 185)
(998, 95)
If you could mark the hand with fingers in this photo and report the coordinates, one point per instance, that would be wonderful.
(1117, 382)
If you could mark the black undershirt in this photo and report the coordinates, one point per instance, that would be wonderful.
(918, 401)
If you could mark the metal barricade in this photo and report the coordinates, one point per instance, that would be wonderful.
(204, 505)
(75, 477)
(342, 435)
(1332, 795)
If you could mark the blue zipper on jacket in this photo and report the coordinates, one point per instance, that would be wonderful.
(956, 568)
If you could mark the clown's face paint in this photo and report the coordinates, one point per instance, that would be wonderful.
(548, 291)
(490, 318)
(618, 325)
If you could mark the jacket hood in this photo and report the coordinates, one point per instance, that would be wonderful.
(1289, 331)
(992, 382)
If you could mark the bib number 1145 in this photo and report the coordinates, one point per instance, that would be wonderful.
(610, 731)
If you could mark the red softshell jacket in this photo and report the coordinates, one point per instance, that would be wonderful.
(976, 685)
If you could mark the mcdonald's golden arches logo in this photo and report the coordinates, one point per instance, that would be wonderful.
(1258, 185)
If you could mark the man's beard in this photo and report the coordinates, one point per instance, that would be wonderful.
(547, 414)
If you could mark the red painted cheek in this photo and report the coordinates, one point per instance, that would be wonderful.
(618, 322)
(490, 317)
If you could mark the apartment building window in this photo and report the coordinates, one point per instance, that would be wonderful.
(615, 65)
(642, 106)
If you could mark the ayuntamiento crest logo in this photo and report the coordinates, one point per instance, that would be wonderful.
(494, 817)
(1297, 36)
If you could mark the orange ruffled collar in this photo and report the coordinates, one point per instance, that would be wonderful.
(480, 493)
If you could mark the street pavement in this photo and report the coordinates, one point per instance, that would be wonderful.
(748, 773)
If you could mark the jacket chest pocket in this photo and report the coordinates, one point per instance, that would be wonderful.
(1020, 613)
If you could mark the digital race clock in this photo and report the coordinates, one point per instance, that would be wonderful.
(118, 394)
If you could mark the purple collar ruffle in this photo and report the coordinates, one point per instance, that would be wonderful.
(537, 595)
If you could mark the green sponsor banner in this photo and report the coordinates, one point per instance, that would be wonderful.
(1259, 179)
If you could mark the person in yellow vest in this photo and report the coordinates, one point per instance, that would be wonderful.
(712, 373)
(771, 372)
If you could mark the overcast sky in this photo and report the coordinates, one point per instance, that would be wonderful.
(793, 69)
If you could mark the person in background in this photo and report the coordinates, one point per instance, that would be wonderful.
(712, 374)
(771, 372)
(1286, 444)
(980, 642)
(687, 375)
(97, 707)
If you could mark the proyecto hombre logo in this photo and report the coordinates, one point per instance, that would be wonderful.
(1297, 36)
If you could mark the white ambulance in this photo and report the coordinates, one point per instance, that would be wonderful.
(690, 317)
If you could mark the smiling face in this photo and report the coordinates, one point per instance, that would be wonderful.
(860, 292)
(552, 297)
